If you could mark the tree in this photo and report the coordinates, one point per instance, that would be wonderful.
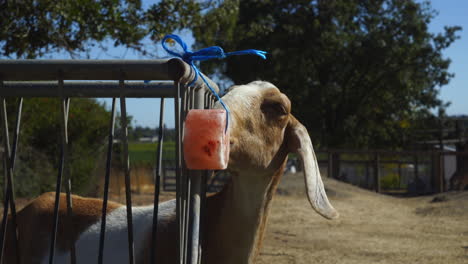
(33, 28)
(359, 73)
(38, 152)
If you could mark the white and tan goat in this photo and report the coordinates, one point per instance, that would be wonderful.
(263, 132)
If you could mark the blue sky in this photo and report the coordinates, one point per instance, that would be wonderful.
(454, 12)
(451, 12)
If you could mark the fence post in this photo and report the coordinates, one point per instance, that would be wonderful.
(441, 178)
(377, 172)
(194, 246)
(335, 165)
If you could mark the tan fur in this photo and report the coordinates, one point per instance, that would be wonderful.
(35, 223)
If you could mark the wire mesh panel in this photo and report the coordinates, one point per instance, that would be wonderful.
(67, 80)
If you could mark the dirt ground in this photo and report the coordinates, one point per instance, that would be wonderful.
(372, 228)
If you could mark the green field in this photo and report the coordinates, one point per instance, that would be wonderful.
(145, 153)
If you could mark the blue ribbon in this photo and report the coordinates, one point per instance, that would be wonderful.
(214, 52)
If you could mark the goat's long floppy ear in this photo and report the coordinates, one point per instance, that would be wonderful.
(299, 142)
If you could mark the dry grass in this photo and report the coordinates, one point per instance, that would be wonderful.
(372, 228)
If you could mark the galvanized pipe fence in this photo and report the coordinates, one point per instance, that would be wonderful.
(116, 79)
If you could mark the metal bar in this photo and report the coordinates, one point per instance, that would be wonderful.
(330, 165)
(90, 89)
(39, 70)
(178, 168)
(391, 152)
(195, 177)
(64, 134)
(10, 157)
(377, 172)
(11, 185)
(58, 188)
(186, 179)
(110, 142)
(205, 100)
(205, 177)
(416, 166)
(6, 202)
(6, 199)
(84, 69)
(157, 181)
(441, 180)
(187, 105)
(191, 99)
(186, 210)
(399, 175)
(213, 101)
(5, 179)
(126, 160)
(194, 217)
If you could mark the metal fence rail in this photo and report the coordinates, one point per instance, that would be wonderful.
(66, 79)
(394, 172)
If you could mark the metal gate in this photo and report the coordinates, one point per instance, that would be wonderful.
(116, 79)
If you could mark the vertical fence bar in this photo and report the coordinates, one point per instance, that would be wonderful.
(126, 161)
(212, 101)
(9, 165)
(185, 179)
(6, 189)
(197, 99)
(205, 100)
(58, 186)
(434, 170)
(187, 189)
(368, 186)
(11, 187)
(416, 166)
(157, 182)
(399, 175)
(441, 178)
(177, 103)
(64, 126)
(110, 142)
(377, 172)
(330, 165)
(206, 175)
(183, 174)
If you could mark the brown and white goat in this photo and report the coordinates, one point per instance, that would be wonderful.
(263, 133)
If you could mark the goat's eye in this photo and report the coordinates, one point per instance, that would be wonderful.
(274, 108)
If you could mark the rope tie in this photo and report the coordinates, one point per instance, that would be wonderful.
(214, 52)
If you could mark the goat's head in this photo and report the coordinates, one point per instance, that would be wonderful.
(263, 131)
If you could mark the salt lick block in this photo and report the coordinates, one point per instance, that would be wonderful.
(206, 143)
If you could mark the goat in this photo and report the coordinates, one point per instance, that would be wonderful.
(262, 134)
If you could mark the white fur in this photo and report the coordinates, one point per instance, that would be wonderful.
(116, 245)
